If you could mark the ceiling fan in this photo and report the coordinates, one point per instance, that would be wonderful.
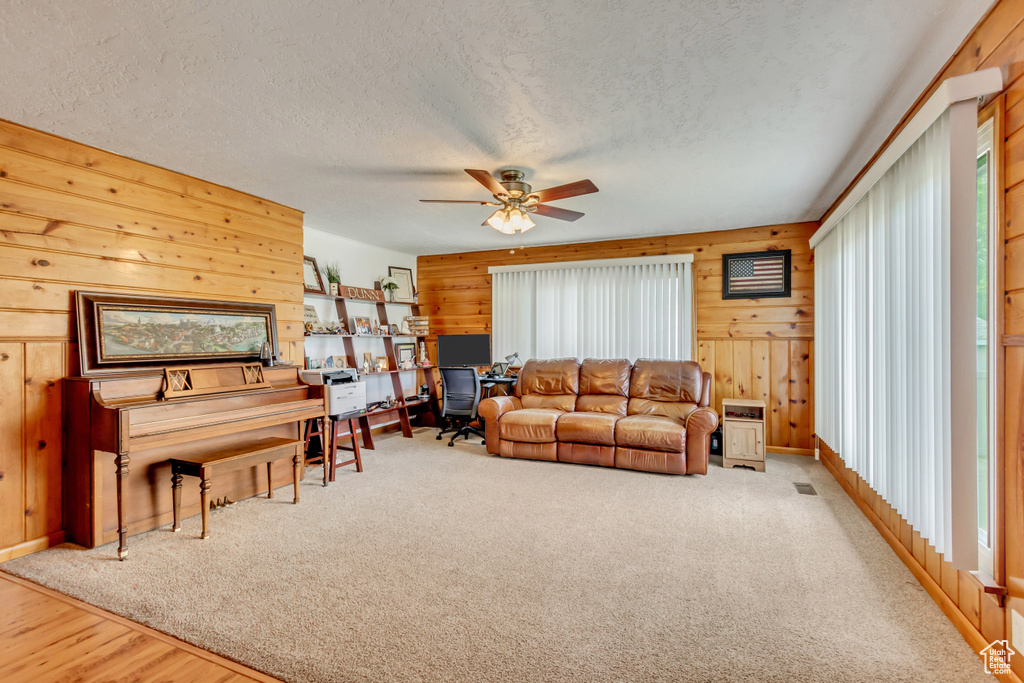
(516, 200)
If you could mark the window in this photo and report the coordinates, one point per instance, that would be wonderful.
(986, 361)
(895, 319)
(614, 308)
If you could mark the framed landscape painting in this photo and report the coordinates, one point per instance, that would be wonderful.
(128, 332)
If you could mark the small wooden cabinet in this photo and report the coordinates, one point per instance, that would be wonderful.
(743, 433)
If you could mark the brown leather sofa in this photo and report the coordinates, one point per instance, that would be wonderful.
(651, 416)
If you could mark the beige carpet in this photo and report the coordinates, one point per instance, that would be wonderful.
(446, 564)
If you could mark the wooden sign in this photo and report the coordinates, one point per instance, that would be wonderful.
(361, 293)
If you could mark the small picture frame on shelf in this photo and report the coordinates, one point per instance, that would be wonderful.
(382, 364)
(309, 315)
(405, 352)
(340, 362)
(311, 280)
(329, 362)
(406, 292)
(361, 326)
(368, 364)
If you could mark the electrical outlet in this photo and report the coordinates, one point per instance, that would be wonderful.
(1016, 630)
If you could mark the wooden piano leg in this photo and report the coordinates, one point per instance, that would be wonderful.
(297, 459)
(204, 497)
(329, 438)
(176, 492)
(270, 479)
(122, 523)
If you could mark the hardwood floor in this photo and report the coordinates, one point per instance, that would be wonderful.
(46, 636)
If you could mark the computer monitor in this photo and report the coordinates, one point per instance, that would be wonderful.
(463, 350)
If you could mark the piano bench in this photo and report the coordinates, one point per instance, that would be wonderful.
(203, 465)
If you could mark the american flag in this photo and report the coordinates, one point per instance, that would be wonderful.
(757, 274)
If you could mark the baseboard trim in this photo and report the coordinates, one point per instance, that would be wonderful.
(948, 607)
(29, 547)
(785, 450)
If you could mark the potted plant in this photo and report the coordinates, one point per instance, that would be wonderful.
(389, 285)
(333, 277)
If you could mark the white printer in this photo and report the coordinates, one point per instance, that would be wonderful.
(343, 392)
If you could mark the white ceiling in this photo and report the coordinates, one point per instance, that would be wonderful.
(689, 115)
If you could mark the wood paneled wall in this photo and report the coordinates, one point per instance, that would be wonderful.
(74, 217)
(997, 41)
(759, 348)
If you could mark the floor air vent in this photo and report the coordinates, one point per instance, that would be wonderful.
(805, 489)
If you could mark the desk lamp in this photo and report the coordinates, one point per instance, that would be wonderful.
(511, 359)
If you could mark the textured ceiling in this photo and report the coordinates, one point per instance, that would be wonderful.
(689, 115)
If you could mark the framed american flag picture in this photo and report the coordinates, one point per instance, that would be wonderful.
(756, 275)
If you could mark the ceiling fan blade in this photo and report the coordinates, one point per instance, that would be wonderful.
(560, 214)
(565, 191)
(457, 201)
(487, 180)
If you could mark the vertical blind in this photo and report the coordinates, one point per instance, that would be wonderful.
(615, 308)
(883, 338)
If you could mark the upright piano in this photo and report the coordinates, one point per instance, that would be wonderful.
(122, 429)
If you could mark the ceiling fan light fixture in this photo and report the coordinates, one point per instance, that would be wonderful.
(519, 220)
(517, 200)
(499, 220)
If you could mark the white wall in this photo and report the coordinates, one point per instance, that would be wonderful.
(361, 265)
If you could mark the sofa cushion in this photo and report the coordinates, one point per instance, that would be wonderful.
(649, 432)
(604, 386)
(643, 406)
(666, 380)
(595, 428)
(605, 376)
(562, 402)
(559, 376)
(530, 425)
(595, 403)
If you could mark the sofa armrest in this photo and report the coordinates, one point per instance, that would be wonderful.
(705, 390)
(491, 410)
(699, 425)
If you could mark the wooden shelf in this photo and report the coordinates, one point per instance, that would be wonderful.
(388, 372)
(332, 297)
(368, 336)
(340, 303)
(407, 404)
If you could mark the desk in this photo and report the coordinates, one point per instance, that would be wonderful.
(489, 382)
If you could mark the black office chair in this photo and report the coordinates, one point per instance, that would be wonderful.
(460, 389)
